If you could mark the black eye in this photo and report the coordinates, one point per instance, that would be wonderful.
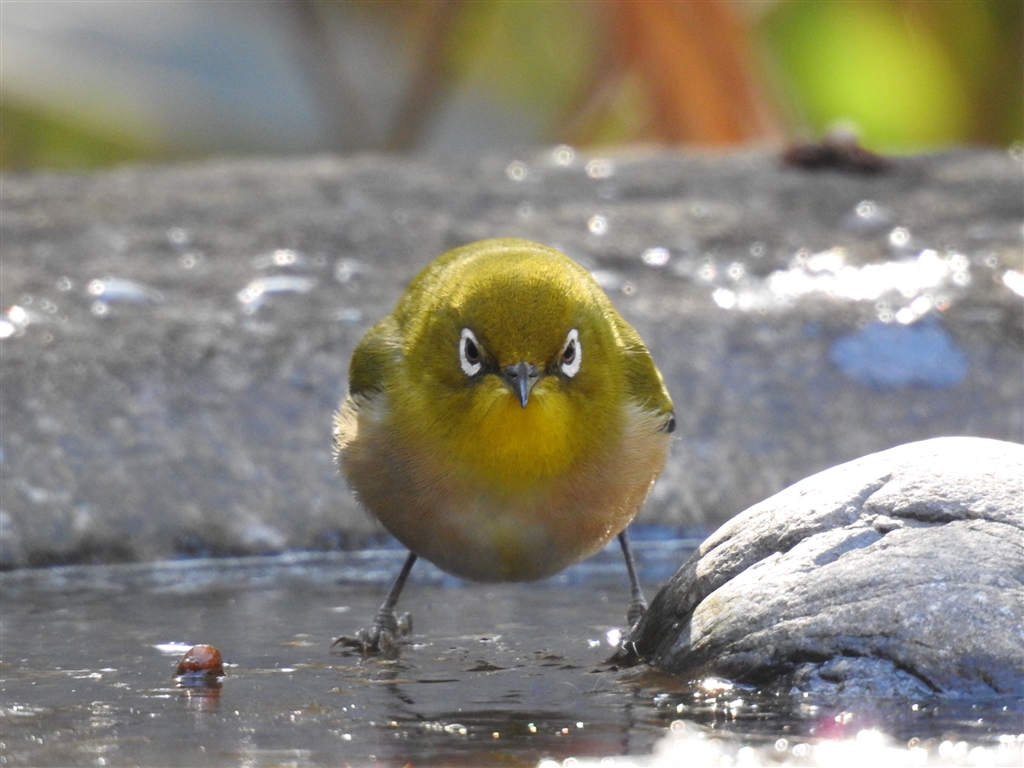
(470, 358)
(572, 354)
(569, 354)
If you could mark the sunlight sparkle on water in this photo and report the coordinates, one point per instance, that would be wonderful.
(697, 747)
(600, 168)
(655, 257)
(563, 154)
(1014, 281)
(905, 289)
(516, 170)
(598, 225)
(13, 321)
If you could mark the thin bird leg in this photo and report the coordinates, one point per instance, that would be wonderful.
(386, 613)
(380, 638)
(637, 604)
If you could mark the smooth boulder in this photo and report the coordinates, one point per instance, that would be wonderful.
(899, 573)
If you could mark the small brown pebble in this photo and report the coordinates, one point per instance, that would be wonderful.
(201, 661)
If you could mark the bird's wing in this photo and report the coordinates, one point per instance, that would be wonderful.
(644, 384)
(375, 357)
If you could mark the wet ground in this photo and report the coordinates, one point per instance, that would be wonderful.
(495, 675)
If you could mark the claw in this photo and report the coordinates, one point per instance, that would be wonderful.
(381, 639)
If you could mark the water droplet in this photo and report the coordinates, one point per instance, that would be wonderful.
(899, 237)
(724, 298)
(516, 170)
(866, 209)
(284, 256)
(280, 258)
(177, 236)
(563, 154)
(524, 210)
(65, 284)
(600, 168)
(346, 270)
(598, 225)
(655, 257)
(959, 263)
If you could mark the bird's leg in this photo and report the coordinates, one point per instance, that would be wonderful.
(637, 604)
(387, 628)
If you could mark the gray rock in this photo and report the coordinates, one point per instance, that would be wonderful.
(896, 574)
(175, 338)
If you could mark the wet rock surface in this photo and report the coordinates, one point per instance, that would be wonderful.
(898, 574)
(174, 339)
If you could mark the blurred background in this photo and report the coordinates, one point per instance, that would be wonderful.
(89, 84)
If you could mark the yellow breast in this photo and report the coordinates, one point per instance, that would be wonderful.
(510, 449)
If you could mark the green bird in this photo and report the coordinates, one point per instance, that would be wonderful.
(503, 422)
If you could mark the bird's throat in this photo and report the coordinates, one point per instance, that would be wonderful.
(510, 449)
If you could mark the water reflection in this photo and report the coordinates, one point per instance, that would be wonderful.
(497, 673)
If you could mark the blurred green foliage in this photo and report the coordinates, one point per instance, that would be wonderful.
(908, 75)
(31, 137)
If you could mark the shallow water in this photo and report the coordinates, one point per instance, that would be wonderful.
(506, 674)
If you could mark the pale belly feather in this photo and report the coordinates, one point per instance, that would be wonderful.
(429, 502)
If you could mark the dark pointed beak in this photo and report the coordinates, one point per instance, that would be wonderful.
(521, 377)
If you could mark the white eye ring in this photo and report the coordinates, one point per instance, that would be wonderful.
(572, 354)
(470, 357)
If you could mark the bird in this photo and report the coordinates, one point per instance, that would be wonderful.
(503, 422)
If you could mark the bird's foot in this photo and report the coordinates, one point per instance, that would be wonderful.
(381, 639)
(636, 611)
(626, 654)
